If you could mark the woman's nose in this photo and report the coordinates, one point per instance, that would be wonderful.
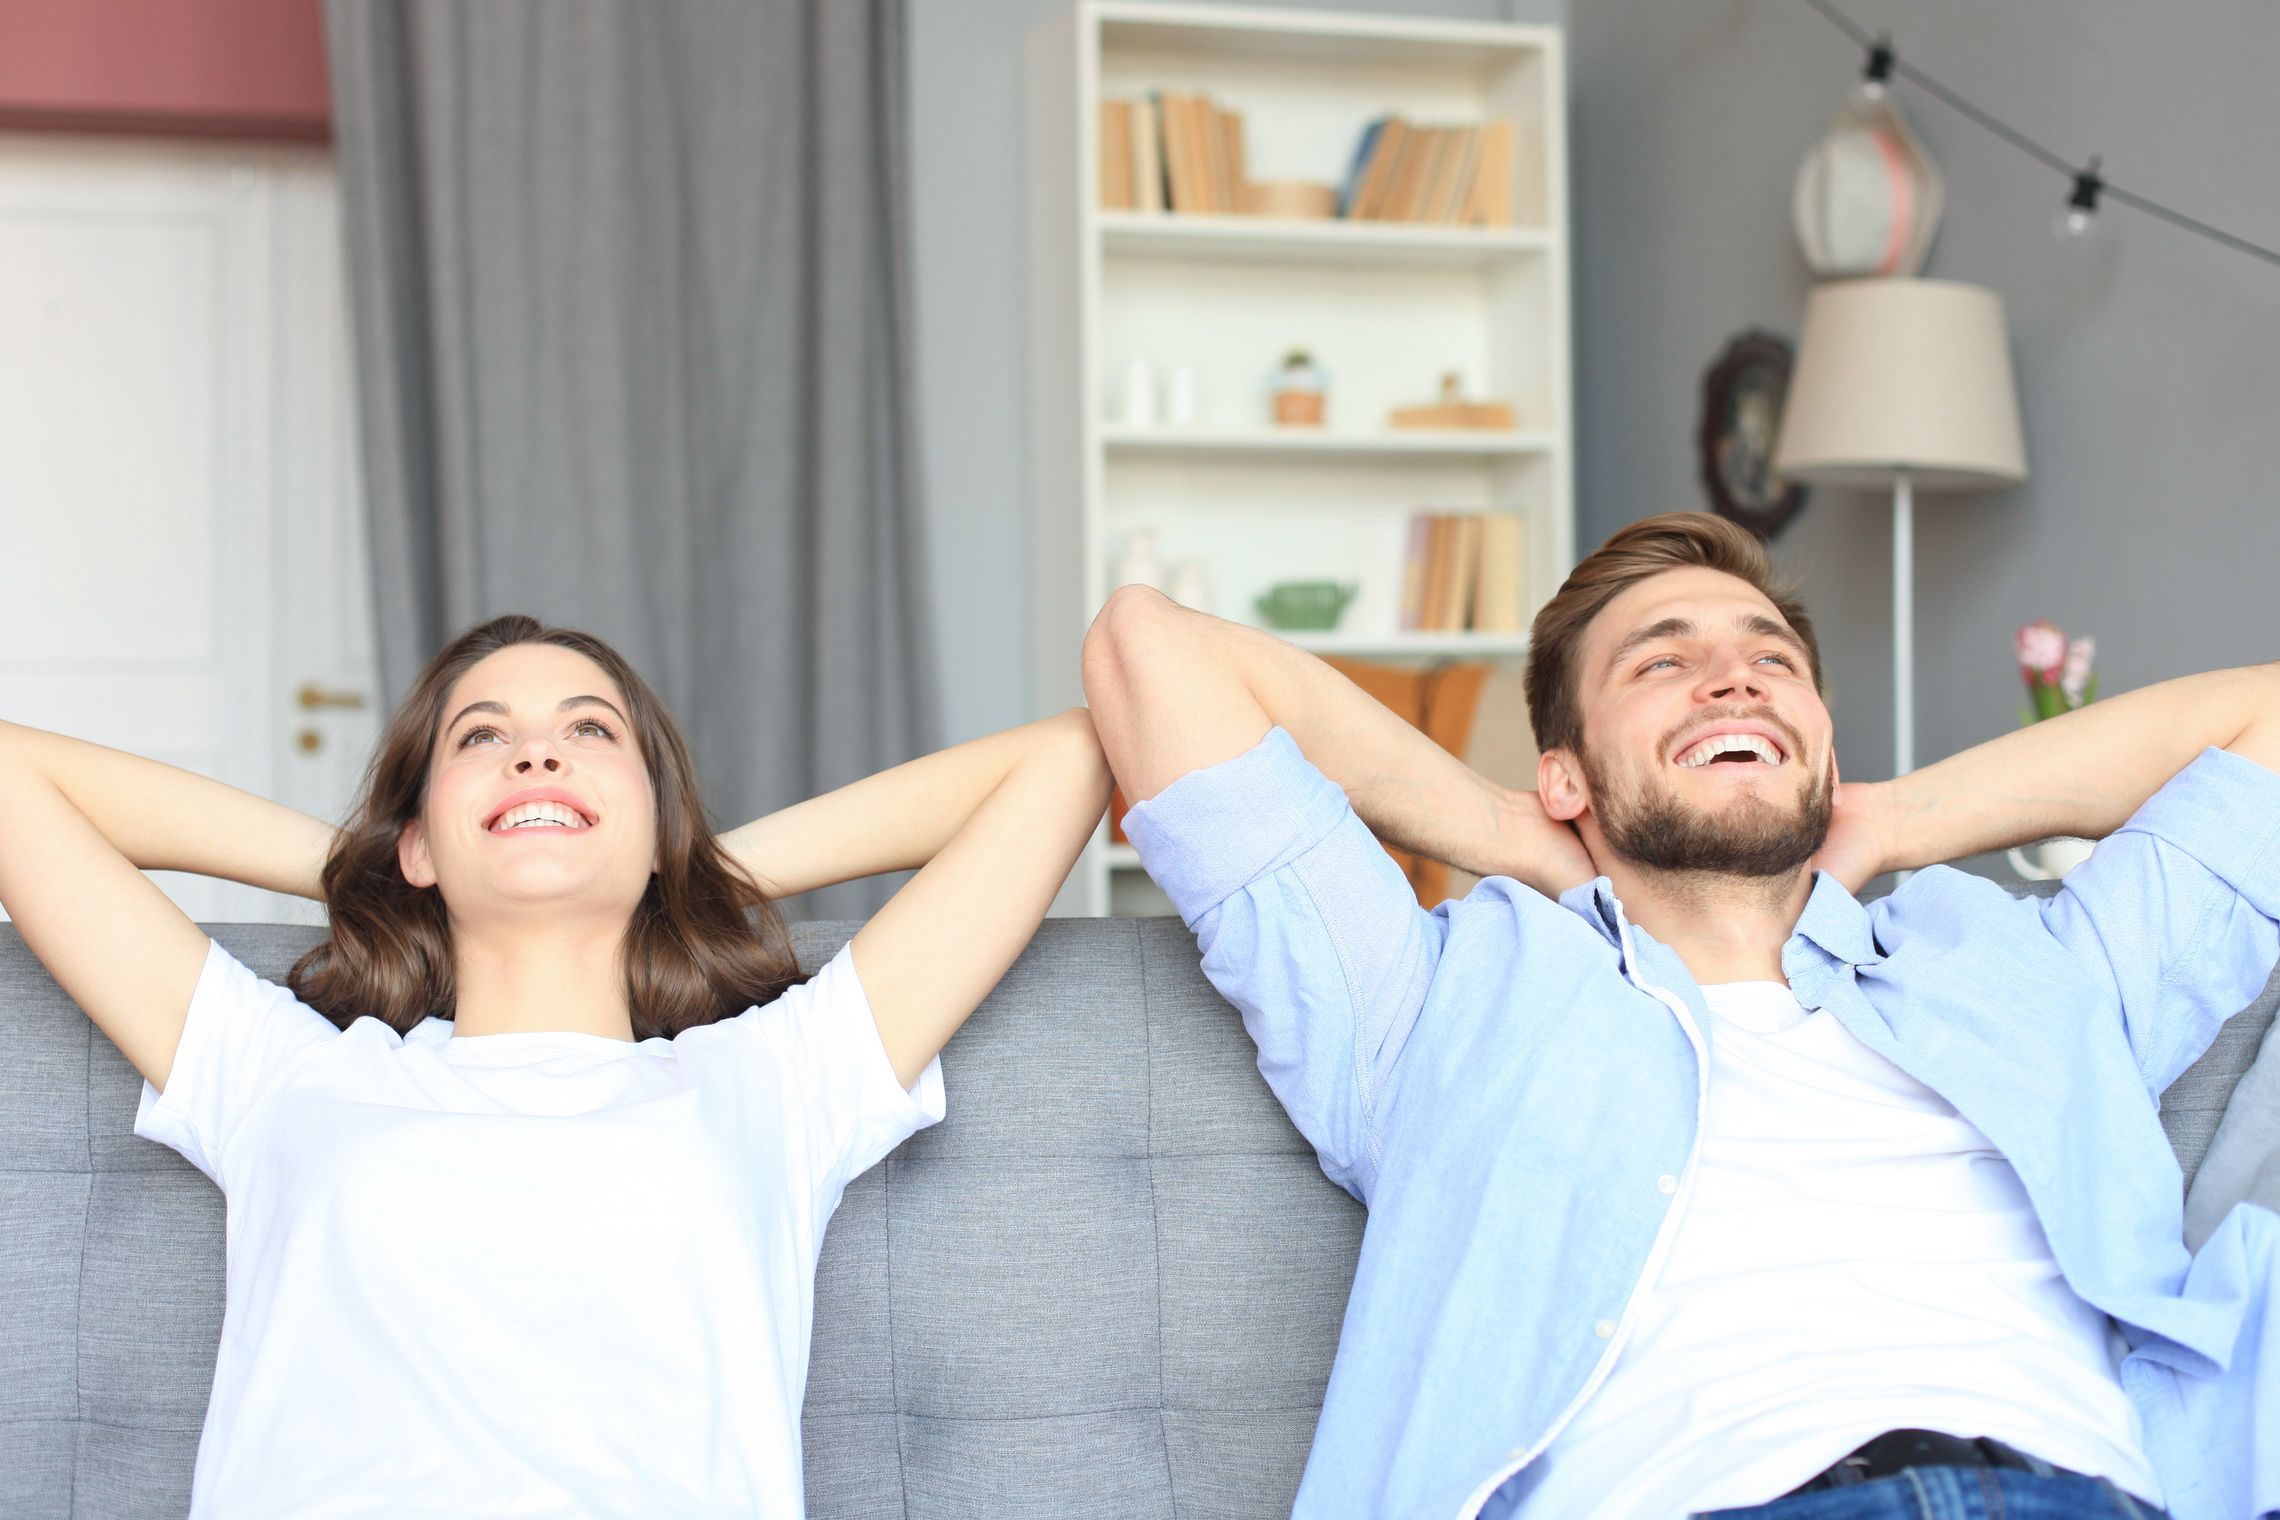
(537, 754)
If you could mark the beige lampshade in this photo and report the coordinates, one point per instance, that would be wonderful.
(1902, 376)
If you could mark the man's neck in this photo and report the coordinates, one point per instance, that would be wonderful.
(1726, 928)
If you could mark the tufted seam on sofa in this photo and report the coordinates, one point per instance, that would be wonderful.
(1155, 1210)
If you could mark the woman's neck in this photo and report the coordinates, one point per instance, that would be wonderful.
(559, 977)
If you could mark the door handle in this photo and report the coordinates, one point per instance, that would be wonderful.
(311, 697)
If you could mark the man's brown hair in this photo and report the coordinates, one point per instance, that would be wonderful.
(1648, 547)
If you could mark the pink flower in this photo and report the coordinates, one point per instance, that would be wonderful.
(2074, 679)
(2042, 650)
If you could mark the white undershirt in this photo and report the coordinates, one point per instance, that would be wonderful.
(1855, 1257)
(540, 1275)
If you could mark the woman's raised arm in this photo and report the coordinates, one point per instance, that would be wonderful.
(78, 825)
(993, 826)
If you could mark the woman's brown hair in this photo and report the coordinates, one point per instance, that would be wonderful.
(1672, 541)
(705, 942)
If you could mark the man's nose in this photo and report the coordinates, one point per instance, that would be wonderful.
(1736, 678)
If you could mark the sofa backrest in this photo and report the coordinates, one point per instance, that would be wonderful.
(1110, 1283)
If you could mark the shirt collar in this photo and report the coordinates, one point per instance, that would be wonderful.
(1833, 921)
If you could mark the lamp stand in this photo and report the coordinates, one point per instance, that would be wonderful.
(1903, 625)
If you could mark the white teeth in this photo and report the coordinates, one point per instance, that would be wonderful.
(539, 815)
(1704, 751)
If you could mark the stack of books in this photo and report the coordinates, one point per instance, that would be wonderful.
(1456, 175)
(1463, 574)
(1171, 152)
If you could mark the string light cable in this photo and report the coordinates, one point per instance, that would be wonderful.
(2086, 183)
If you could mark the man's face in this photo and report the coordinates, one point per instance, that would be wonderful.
(1706, 747)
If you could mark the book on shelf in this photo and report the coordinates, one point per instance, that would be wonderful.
(1181, 153)
(1116, 184)
(1389, 142)
(1455, 175)
(1350, 189)
(1413, 572)
(1464, 573)
(1147, 156)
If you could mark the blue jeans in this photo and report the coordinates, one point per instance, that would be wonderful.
(1958, 1493)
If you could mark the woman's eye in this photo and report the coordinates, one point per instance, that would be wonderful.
(577, 728)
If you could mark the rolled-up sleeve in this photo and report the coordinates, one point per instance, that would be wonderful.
(2181, 908)
(1307, 926)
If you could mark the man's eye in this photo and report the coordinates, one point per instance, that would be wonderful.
(1658, 661)
(1779, 659)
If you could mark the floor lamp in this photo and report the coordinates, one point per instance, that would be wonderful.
(1902, 384)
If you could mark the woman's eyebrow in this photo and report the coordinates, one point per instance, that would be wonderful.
(564, 705)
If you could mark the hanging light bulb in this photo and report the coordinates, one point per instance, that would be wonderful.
(2078, 218)
(1876, 74)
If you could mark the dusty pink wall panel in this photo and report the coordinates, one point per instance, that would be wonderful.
(234, 68)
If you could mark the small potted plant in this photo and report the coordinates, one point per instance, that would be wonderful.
(1299, 388)
(2059, 678)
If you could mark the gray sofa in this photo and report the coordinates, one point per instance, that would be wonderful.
(1109, 1284)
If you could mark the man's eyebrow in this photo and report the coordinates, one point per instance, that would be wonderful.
(1665, 628)
(562, 706)
(1756, 624)
(1773, 628)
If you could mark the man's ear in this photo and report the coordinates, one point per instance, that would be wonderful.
(412, 855)
(1560, 786)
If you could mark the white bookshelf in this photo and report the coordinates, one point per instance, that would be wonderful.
(1385, 308)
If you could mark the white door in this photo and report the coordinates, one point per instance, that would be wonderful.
(181, 541)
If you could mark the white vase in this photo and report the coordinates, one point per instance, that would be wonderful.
(1136, 401)
(1137, 563)
(1189, 587)
(1183, 397)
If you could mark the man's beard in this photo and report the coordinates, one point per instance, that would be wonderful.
(1651, 826)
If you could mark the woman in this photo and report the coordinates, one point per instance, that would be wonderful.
(527, 1173)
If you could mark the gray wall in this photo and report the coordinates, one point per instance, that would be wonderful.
(2146, 361)
(968, 64)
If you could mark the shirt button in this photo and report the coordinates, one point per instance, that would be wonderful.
(1666, 1184)
(1605, 1329)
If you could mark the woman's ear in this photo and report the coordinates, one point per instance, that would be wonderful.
(1560, 787)
(412, 855)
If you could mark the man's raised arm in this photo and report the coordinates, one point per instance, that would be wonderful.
(1174, 691)
(2083, 773)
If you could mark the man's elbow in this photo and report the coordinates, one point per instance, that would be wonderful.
(1129, 629)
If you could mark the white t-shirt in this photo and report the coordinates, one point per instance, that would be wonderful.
(520, 1274)
(1855, 1257)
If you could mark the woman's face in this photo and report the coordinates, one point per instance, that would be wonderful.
(537, 793)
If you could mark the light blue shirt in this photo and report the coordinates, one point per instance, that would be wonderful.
(1508, 1083)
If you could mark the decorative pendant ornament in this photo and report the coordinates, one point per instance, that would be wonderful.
(1868, 196)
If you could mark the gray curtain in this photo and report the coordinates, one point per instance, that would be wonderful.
(629, 282)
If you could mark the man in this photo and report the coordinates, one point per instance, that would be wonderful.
(1704, 1184)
